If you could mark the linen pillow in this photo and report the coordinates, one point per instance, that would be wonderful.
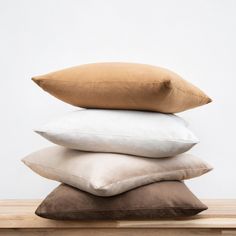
(123, 86)
(148, 134)
(107, 174)
(162, 199)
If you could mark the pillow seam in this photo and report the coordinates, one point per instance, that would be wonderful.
(135, 209)
(117, 182)
(161, 82)
(127, 136)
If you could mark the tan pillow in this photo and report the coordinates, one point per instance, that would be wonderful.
(107, 174)
(123, 86)
(158, 200)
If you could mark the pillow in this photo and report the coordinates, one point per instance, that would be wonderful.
(107, 174)
(123, 86)
(162, 199)
(148, 134)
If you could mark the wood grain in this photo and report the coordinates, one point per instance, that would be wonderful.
(17, 218)
(116, 232)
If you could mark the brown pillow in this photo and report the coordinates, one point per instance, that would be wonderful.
(157, 200)
(123, 86)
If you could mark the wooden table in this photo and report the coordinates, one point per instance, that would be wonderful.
(17, 218)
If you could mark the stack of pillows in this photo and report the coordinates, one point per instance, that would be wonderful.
(124, 157)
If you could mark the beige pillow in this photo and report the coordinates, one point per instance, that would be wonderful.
(123, 86)
(107, 174)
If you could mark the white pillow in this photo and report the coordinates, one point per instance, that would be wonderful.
(107, 174)
(148, 134)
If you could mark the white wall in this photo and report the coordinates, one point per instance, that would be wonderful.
(197, 39)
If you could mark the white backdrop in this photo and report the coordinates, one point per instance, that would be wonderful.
(197, 39)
